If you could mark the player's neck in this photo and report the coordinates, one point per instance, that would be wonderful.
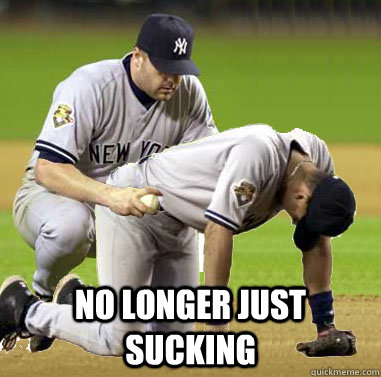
(140, 94)
(133, 74)
(298, 162)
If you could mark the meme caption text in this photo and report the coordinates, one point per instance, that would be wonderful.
(210, 305)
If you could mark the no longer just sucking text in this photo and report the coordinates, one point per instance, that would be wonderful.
(212, 305)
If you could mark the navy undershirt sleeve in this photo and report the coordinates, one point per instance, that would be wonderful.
(51, 156)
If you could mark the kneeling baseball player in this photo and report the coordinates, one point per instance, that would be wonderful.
(221, 185)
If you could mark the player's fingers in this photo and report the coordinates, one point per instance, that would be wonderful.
(137, 213)
(304, 348)
(300, 347)
(130, 210)
(149, 190)
(154, 191)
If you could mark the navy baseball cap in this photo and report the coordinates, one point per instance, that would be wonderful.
(330, 213)
(168, 42)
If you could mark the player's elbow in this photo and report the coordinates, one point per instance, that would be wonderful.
(42, 171)
(214, 228)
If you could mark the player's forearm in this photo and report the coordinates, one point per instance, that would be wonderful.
(218, 254)
(317, 267)
(67, 180)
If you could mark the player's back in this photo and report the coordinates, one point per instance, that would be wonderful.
(187, 174)
(233, 177)
(179, 165)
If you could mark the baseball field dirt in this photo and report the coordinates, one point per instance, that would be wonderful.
(360, 166)
(276, 349)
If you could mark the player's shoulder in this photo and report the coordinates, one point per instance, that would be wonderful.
(254, 137)
(299, 133)
(259, 133)
(307, 140)
(190, 94)
(315, 147)
(97, 74)
(253, 145)
(191, 84)
(190, 80)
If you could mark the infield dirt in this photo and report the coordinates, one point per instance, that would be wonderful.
(359, 165)
(276, 349)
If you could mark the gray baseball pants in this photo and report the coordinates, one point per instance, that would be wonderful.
(155, 250)
(60, 230)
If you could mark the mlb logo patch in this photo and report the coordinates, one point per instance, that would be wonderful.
(64, 115)
(244, 193)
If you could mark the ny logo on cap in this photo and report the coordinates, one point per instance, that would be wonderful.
(180, 46)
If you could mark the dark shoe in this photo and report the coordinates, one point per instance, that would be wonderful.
(62, 295)
(65, 289)
(15, 300)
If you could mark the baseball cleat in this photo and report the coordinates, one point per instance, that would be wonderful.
(65, 289)
(62, 295)
(15, 300)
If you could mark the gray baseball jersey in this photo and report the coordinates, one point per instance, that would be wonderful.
(232, 178)
(97, 122)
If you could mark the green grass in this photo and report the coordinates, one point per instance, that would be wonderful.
(268, 256)
(262, 257)
(329, 86)
(17, 258)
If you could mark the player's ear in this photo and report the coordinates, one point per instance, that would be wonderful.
(137, 57)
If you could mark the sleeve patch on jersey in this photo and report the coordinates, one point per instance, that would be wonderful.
(63, 116)
(244, 193)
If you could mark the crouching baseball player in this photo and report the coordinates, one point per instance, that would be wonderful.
(105, 115)
(222, 185)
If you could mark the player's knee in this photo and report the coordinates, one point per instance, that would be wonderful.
(74, 237)
(115, 342)
(117, 349)
(72, 234)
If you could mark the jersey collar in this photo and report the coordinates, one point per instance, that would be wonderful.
(142, 97)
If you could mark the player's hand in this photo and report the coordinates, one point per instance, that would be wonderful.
(223, 327)
(333, 343)
(126, 201)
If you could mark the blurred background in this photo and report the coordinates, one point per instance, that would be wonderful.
(291, 14)
(313, 64)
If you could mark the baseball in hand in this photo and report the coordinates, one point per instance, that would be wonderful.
(151, 201)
